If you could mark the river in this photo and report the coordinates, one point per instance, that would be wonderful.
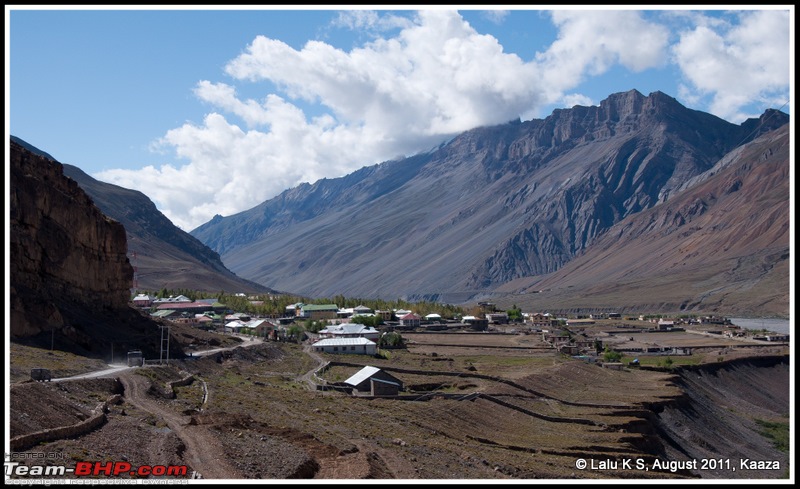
(774, 325)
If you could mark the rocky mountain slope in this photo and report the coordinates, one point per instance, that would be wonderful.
(70, 276)
(165, 256)
(493, 205)
(720, 245)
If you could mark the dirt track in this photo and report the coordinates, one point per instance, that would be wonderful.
(204, 453)
(263, 422)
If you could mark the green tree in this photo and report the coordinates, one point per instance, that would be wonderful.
(373, 321)
(314, 326)
(296, 332)
(611, 356)
(391, 339)
(514, 314)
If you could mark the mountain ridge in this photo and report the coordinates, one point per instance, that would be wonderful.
(722, 244)
(492, 205)
(165, 257)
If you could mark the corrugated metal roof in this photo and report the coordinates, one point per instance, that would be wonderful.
(344, 342)
(184, 305)
(349, 328)
(321, 307)
(362, 375)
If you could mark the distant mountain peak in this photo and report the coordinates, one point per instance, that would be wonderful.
(492, 205)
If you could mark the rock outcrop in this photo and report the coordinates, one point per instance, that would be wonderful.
(65, 253)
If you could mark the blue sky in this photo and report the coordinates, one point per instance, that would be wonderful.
(214, 111)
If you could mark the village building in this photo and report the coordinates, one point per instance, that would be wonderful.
(385, 315)
(316, 312)
(580, 322)
(142, 300)
(359, 346)
(261, 327)
(235, 326)
(540, 321)
(374, 381)
(172, 299)
(203, 321)
(166, 314)
(293, 310)
(238, 316)
(187, 307)
(497, 317)
(350, 330)
(664, 324)
(410, 320)
(476, 323)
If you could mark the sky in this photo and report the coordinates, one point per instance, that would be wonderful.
(214, 111)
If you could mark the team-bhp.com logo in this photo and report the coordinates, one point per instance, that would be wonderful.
(97, 469)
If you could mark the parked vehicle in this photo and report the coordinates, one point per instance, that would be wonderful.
(135, 358)
(41, 375)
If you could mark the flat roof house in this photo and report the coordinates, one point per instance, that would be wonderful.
(359, 346)
(350, 330)
(319, 311)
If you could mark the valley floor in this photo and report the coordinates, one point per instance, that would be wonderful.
(512, 411)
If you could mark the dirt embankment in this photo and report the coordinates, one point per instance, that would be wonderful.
(694, 413)
(719, 417)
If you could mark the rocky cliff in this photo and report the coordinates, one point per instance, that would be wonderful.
(70, 276)
(63, 249)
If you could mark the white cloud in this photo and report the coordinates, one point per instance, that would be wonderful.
(404, 93)
(737, 65)
(571, 100)
(495, 16)
(392, 96)
(369, 20)
(591, 42)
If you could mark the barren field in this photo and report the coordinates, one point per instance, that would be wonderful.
(478, 406)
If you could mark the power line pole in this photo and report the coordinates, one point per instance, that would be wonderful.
(164, 349)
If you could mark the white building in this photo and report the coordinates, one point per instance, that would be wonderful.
(359, 346)
(350, 330)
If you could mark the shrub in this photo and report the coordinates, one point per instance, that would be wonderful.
(611, 356)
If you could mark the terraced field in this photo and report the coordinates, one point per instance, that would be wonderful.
(510, 410)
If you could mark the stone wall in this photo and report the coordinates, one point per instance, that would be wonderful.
(97, 419)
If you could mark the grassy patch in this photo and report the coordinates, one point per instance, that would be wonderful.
(661, 360)
(61, 363)
(777, 432)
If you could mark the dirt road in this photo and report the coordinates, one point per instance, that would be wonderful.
(204, 453)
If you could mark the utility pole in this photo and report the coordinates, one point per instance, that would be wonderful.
(164, 349)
